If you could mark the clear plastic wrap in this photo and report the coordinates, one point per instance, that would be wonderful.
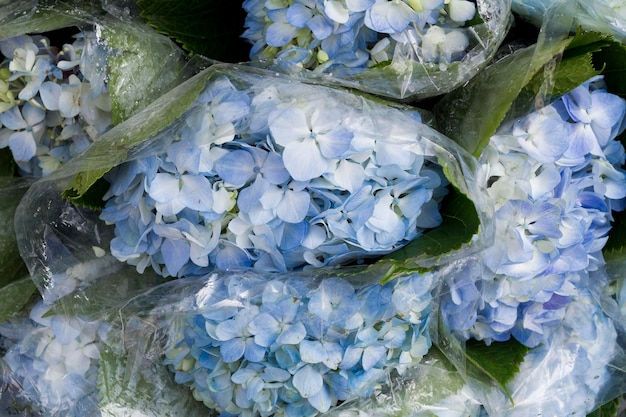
(70, 70)
(281, 344)
(402, 50)
(123, 340)
(144, 144)
(606, 16)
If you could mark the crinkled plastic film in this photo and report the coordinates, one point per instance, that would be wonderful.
(602, 16)
(186, 322)
(113, 147)
(65, 247)
(406, 77)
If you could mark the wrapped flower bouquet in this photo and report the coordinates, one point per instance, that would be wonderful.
(187, 236)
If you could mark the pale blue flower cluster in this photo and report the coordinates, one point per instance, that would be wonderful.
(346, 36)
(54, 359)
(293, 345)
(569, 371)
(53, 101)
(554, 179)
(274, 177)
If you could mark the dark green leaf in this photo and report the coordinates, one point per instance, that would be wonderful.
(142, 66)
(460, 223)
(612, 60)
(610, 409)
(142, 386)
(112, 148)
(14, 296)
(498, 362)
(7, 163)
(473, 113)
(211, 28)
(11, 265)
(569, 74)
(516, 85)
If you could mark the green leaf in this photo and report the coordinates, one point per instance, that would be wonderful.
(498, 362)
(136, 385)
(612, 60)
(11, 265)
(610, 409)
(19, 18)
(14, 296)
(460, 223)
(511, 86)
(211, 28)
(8, 168)
(112, 147)
(569, 74)
(473, 113)
(142, 66)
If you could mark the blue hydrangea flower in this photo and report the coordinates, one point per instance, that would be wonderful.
(55, 358)
(553, 188)
(343, 37)
(275, 177)
(261, 344)
(59, 111)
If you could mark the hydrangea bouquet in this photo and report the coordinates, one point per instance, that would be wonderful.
(279, 237)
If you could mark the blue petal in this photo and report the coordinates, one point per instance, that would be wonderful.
(321, 27)
(292, 334)
(308, 381)
(164, 187)
(273, 374)
(236, 167)
(280, 34)
(232, 350)
(22, 145)
(175, 255)
(50, 93)
(274, 170)
(298, 15)
(294, 206)
(304, 160)
(65, 329)
(335, 143)
(312, 351)
(322, 400)
(373, 355)
(13, 119)
(196, 192)
(254, 352)
(249, 197)
(293, 235)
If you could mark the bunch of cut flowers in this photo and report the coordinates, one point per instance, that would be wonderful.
(306, 207)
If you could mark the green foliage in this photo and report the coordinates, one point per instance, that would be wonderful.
(211, 28)
(460, 223)
(498, 362)
(11, 266)
(142, 66)
(473, 113)
(15, 290)
(610, 409)
(14, 296)
(140, 386)
(113, 147)
(8, 168)
(612, 60)
(519, 83)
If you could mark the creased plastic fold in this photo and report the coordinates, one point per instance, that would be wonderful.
(405, 72)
